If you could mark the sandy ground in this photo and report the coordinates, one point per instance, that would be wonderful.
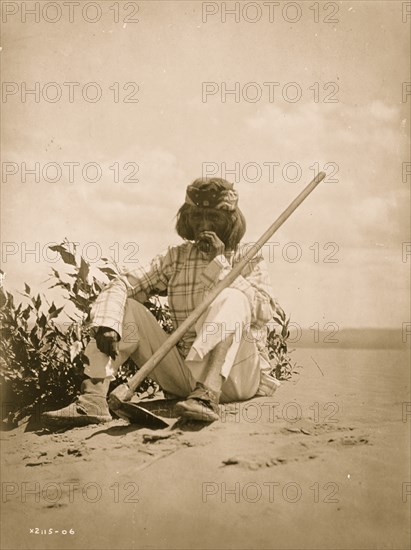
(323, 464)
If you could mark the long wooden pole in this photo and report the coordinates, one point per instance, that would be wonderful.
(126, 391)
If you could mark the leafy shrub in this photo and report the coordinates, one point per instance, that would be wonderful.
(36, 366)
(42, 362)
(278, 352)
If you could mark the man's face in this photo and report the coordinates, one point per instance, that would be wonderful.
(209, 219)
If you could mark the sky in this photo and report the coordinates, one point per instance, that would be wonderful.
(335, 98)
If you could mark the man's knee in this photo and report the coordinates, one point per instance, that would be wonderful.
(232, 294)
(234, 299)
(232, 307)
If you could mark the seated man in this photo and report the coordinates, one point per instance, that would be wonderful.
(223, 357)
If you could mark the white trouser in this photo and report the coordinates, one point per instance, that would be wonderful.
(228, 314)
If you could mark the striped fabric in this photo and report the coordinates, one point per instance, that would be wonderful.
(185, 274)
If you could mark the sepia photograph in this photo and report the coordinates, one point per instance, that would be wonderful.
(205, 275)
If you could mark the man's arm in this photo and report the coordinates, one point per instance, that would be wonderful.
(139, 283)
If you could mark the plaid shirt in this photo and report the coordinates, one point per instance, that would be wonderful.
(185, 275)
